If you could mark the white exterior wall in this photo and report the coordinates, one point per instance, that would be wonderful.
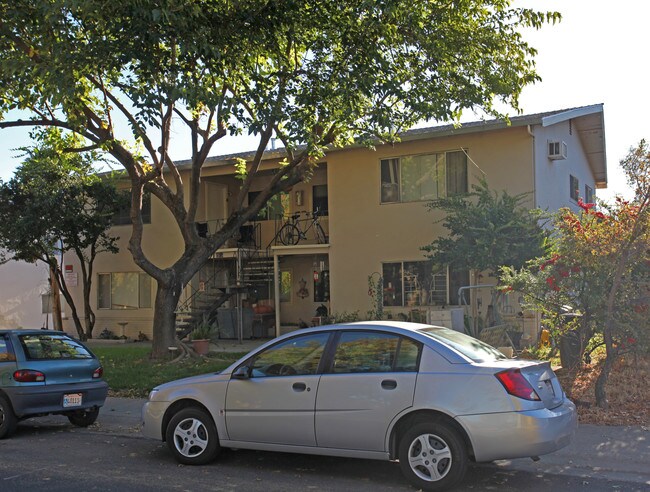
(21, 286)
(552, 176)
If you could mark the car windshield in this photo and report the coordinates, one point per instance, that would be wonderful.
(48, 346)
(470, 347)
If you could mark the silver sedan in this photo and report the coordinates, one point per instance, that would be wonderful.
(427, 396)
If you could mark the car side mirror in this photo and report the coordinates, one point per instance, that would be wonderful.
(240, 373)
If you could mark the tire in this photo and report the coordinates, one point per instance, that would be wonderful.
(192, 437)
(84, 418)
(8, 420)
(433, 456)
(289, 235)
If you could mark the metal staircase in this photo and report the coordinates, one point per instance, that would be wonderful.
(251, 267)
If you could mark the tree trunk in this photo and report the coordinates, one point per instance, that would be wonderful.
(63, 289)
(164, 318)
(57, 321)
(89, 314)
(601, 382)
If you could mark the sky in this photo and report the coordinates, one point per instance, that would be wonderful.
(595, 55)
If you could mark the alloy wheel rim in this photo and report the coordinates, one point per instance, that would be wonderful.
(190, 437)
(430, 457)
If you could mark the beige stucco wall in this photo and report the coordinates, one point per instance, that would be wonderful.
(363, 232)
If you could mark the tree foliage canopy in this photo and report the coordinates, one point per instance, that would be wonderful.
(487, 230)
(598, 266)
(56, 203)
(312, 73)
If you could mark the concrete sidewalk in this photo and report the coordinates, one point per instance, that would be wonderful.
(615, 453)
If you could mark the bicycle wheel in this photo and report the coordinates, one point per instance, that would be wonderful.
(289, 235)
(320, 234)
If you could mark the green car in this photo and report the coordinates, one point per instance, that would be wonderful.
(48, 372)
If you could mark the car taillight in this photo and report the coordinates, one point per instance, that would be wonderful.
(517, 385)
(98, 373)
(29, 376)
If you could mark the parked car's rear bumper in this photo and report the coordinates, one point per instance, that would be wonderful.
(521, 434)
(33, 400)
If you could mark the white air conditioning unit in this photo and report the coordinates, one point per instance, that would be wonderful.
(556, 150)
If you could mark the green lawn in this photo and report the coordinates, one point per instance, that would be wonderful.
(130, 372)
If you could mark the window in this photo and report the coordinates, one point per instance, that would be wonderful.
(5, 351)
(589, 194)
(296, 356)
(418, 283)
(375, 352)
(286, 282)
(127, 290)
(123, 215)
(319, 199)
(472, 348)
(275, 208)
(40, 347)
(321, 286)
(423, 177)
(574, 188)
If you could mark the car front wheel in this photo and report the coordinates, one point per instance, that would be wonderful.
(83, 418)
(192, 437)
(8, 420)
(433, 456)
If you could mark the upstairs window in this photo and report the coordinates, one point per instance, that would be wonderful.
(275, 208)
(319, 200)
(423, 177)
(589, 194)
(123, 215)
(574, 188)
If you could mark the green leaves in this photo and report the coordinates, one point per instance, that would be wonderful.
(56, 196)
(312, 73)
(487, 230)
(369, 69)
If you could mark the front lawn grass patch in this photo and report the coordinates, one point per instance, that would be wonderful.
(130, 372)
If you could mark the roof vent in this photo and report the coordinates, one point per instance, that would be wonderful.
(556, 150)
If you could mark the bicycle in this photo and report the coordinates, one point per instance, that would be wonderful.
(293, 231)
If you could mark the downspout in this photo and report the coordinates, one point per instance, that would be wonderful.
(532, 135)
(538, 317)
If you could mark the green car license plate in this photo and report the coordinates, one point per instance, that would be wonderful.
(72, 400)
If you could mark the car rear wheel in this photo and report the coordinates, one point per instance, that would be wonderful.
(83, 418)
(8, 420)
(432, 456)
(192, 437)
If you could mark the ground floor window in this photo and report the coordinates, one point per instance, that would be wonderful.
(420, 283)
(286, 284)
(124, 290)
(321, 286)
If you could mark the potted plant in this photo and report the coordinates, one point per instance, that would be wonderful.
(201, 336)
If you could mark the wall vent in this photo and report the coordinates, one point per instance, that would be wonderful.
(556, 150)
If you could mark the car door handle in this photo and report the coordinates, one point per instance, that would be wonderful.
(389, 384)
(299, 386)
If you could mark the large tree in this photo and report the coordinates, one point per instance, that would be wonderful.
(599, 266)
(312, 73)
(57, 203)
